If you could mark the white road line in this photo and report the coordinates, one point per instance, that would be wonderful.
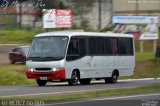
(123, 97)
(125, 80)
(113, 98)
(62, 92)
(7, 90)
(143, 79)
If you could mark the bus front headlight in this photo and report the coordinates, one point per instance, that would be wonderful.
(30, 70)
(57, 69)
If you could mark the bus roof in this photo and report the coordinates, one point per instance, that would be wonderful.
(72, 33)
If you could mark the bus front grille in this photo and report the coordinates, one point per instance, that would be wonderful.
(43, 69)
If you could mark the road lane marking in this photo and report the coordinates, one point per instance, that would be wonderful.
(7, 90)
(62, 92)
(125, 80)
(113, 98)
(123, 97)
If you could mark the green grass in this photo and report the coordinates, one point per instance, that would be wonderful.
(147, 45)
(13, 75)
(17, 36)
(147, 56)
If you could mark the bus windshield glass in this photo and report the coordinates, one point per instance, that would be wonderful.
(49, 48)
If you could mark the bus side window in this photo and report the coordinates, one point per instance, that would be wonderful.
(108, 46)
(73, 48)
(125, 46)
(114, 46)
(82, 47)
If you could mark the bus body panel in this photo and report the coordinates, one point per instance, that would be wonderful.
(46, 64)
(101, 66)
(125, 66)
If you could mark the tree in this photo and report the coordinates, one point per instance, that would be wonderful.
(46, 4)
(81, 8)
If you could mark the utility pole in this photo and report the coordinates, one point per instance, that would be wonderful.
(111, 10)
(20, 14)
(99, 14)
(141, 41)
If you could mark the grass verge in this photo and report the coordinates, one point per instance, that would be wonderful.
(18, 36)
(147, 56)
(13, 75)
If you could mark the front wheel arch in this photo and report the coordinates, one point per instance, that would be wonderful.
(74, 78)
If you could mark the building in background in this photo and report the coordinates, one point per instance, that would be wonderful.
(27, 15)
(137, 7)
(94, 18)
(6, 16)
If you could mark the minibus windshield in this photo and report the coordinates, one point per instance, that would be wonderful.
(48, 48)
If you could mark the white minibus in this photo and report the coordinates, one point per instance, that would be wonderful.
(79, 57)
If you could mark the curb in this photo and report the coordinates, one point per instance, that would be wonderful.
(8, 44)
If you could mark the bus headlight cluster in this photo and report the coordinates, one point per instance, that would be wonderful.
(30, 70)
(57, 69)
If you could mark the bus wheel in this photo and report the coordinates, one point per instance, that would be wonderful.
(12, 62)
(85, 81)
(74, 78)
(113, 78)
(41, 82)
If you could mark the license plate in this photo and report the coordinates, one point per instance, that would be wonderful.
(43, 78)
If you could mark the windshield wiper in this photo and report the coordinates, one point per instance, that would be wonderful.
(49, 58)
(34, 57)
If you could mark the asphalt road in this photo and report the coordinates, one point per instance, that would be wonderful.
(136, 100)
(61, 88)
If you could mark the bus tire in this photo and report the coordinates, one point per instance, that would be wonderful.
(74, 78)
(12, 62)
(113, 78)
(85, 81)
(41, 82)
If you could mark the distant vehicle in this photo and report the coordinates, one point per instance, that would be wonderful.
(80, 56)
(19, 54)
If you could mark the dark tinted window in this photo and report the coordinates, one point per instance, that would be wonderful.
(82, 47)
(73, 47)
(17, 50)
(107, 46)
(114, 43)
(125, 46)
(100, 46)
(92, 45)
(96, 45)
(14, 50)
(76, 49)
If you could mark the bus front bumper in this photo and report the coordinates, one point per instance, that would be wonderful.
(56, 75)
